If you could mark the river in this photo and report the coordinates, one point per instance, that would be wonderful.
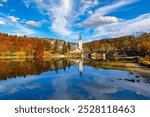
(73, 79)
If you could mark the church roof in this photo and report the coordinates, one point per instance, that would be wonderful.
(80, 38)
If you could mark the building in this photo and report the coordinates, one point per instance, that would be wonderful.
(80, 43)
(77, 48)
(81, 67)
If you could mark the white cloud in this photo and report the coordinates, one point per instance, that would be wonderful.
(85, 5)
(102, 20)
(4, 0)
(59, 14)
(15, 28)
(128, 27)
(90, 2)
(111, 8)
(13, 19)
(1, 5)
(97, 18)
(96, 2)
(12, 10)
(64, 14)
(33, 23)
(21, 30)
(90, 12)
(27, 3)
(2, 22)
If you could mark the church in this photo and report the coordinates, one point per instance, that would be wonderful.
(78, 48)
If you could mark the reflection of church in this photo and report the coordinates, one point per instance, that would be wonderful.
(78, 48)
(81, 67)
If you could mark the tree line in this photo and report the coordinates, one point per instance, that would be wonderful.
(13, 45)
(140, 44)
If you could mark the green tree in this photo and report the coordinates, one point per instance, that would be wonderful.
(56, 47)
(27, 53)
(47, 46)
(64, 48)
(69, 47)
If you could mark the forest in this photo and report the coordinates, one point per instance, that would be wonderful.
(22, 46)
(140, 44)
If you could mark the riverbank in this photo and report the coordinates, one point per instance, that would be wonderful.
(139, 69)
(131, 66)
(144, 61)
(46, 55)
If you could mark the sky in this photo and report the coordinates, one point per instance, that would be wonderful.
(67, 19)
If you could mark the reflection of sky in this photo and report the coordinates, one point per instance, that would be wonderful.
(93, 84)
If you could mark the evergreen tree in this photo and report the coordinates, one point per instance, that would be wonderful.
(69, 47)
(47, 46)
(64, 48)
(56, 47)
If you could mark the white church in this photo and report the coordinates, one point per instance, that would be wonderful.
(77, 48)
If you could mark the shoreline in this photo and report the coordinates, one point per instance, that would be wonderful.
(133, 67)
(139, 69)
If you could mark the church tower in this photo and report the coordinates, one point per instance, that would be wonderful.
(80, 43)
(81, 67)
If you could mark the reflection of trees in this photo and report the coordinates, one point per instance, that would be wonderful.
(12, 68)
(64, 62)
(106, 64)
(56, 66)
(69, 64)
(39, 65)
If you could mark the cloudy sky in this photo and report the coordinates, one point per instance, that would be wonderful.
(66, 19)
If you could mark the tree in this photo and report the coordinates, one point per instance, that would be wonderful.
(39, 50)
(47, 46)
(56, 47)
(69, 47)
(64, 48)
(145, 48)
(12, 51)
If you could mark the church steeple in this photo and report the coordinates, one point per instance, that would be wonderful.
(80, 38)
(80, 43)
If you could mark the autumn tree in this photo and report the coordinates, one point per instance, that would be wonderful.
(39, 50)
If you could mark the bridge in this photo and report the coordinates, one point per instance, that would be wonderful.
(106, 52)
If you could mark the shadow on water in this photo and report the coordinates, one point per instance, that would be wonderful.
(70, 79)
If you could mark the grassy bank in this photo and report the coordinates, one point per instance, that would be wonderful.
(47, 54)
(145, 61)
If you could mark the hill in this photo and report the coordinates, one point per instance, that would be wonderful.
(140, 44)
(19, 46)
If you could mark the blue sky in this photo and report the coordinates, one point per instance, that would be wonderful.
(66, 19)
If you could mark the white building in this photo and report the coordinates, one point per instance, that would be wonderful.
(78, 48)
(81, 66)
(80, 44)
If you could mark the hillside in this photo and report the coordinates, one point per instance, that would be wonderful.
(26, 46)
(140, 44)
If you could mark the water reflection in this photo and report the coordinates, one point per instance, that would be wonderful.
(69, 79)
(12, 68)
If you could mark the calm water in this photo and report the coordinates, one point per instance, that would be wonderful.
(69, 79)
